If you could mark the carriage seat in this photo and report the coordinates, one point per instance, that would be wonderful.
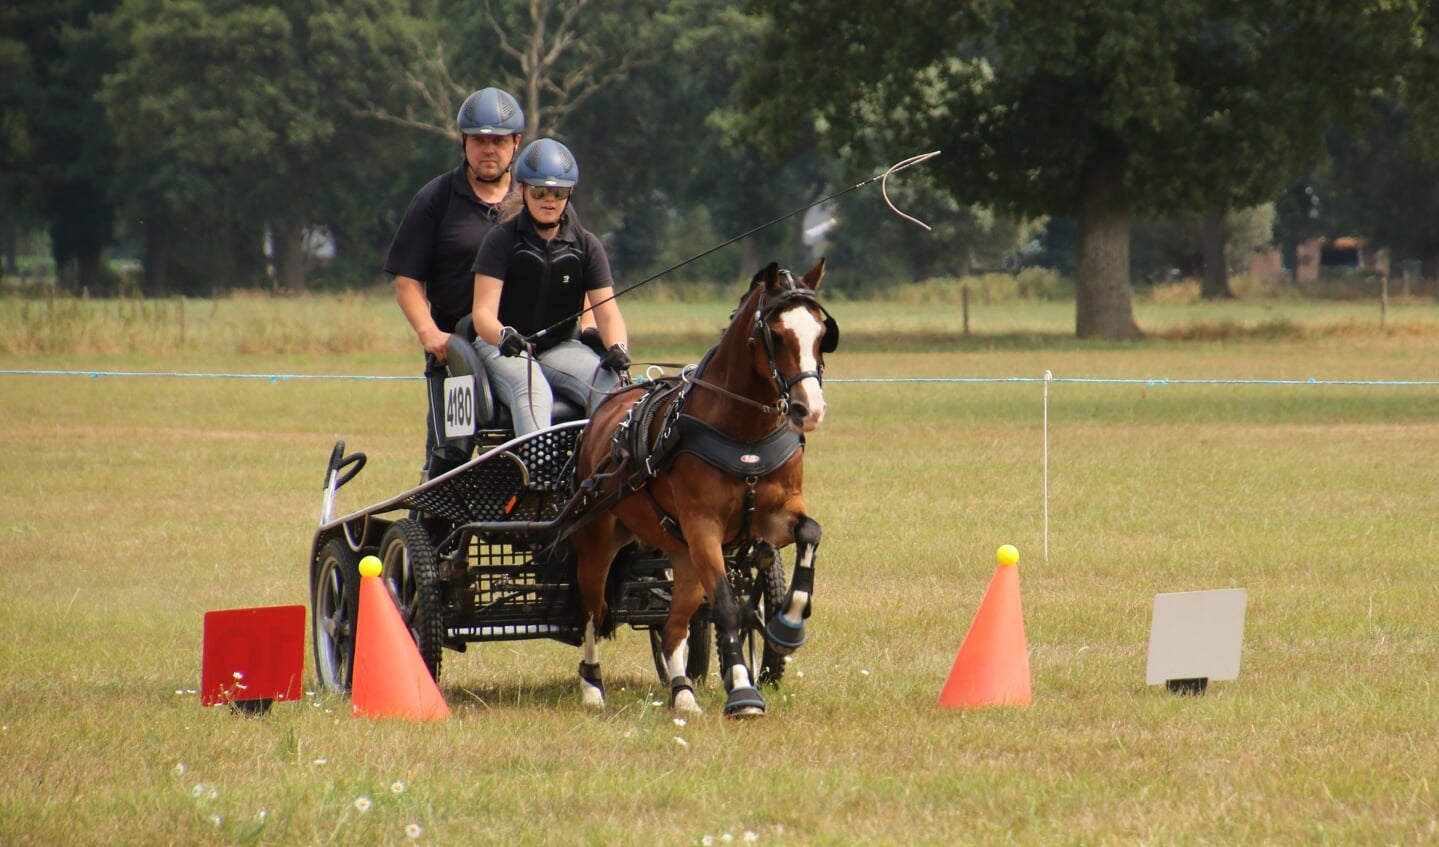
(491, 416)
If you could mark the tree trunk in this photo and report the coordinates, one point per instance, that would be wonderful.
(10, 236)
(157, 258)
(1104, 305)
(87, 274)
(1216, 266)
(287, 248)
(749, 264)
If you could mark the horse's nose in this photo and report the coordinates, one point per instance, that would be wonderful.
(798, 411)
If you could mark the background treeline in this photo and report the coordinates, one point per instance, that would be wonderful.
(224, 144)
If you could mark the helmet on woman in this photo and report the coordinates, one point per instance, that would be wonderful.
(547, 162)
(491, 111)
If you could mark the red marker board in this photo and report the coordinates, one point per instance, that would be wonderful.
(253, 654)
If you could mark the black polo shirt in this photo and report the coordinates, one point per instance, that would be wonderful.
(437, 241)
(544, 281)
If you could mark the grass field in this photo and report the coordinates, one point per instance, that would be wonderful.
(133, 505)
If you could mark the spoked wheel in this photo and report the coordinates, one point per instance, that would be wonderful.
(697, 662)
(760, 591)
(334, 601)
(412, 575)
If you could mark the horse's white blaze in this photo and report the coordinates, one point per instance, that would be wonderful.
(807, 330)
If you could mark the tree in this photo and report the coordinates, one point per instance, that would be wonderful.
(1384, 189)
(1092, 110)
(235, 119)
(552, 55)
(62, 150)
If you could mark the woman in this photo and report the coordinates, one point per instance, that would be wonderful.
(534, 275)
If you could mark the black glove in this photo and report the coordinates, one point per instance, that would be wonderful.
(511, 342)
(591, 339)
(616, 359)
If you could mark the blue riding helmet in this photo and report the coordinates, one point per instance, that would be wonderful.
(491, 111)
(547, 162)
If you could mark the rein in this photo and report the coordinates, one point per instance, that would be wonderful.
(778, 409)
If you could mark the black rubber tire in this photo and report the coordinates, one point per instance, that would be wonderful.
(334, 604)
(411, 573)
(697, 662)
(776, 585)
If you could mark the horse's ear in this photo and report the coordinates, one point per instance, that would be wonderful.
(814, 275)
(769, 277)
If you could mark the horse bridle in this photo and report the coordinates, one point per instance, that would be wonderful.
(792, 294)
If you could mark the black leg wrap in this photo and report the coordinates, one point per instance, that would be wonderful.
(782, 635)
(807, 532)
(678, 684)
(591, 673)
(803, 580)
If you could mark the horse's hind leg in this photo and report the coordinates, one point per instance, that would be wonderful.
(685, 600)
(595, 548)
(785, 631)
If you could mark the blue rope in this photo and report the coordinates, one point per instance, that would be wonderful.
(854, 380)
(268, 377)
(275, 378)
(1149, 381)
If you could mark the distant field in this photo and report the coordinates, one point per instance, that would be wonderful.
(133, 505)
(917, 319)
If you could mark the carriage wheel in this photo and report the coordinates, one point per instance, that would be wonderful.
(334, 601)
(412, 575)
(697, 662)
(764, 599)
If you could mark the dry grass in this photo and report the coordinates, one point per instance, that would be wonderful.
(132, 506)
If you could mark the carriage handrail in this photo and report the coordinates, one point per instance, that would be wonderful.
(399, 501)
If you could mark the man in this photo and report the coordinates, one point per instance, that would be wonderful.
(434, 248)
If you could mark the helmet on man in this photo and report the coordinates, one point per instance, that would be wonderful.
(490, 111)
(547, 162)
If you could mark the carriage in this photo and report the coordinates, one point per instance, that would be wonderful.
(486, 551)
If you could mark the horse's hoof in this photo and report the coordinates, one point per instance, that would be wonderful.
(592, 686)
(744, 702)
(784, 636)
(682, 696)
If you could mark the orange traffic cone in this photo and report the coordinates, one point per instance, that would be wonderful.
(992, 668)
(390, 677)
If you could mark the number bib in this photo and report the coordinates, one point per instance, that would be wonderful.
(459, 407)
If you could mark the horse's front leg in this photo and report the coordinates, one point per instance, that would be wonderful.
(785, 631)
(685, 600)
(744, 699)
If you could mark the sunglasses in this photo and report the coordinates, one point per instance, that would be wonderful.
(545, 192)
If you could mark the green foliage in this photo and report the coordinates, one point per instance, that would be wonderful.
(1175, 244)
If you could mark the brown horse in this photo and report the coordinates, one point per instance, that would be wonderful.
(699, 464)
